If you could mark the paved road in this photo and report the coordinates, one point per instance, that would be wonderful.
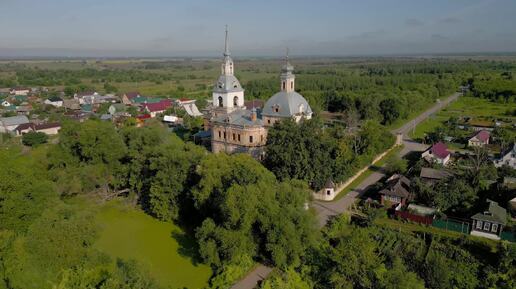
(326, 210)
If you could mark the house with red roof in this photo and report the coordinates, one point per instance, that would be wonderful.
(437, 153)
(157, 108)
(480, 139)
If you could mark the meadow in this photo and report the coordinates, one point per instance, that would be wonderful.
(162, 248)
(477, 108)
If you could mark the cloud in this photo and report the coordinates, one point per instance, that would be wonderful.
(451, 20)
(413, 22)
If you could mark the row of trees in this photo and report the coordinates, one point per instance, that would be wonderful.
(315, 154)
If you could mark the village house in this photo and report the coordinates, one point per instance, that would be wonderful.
(396, 191)
(71, 104)
(431, 176)
(9, 124)
(24, 128)
(507, 158)
(6, 103)
(157, 108)
(19, 99)
(55, 101)
(20, 91)
(46, 128)
(24, 109)
(117, 108)
(489, 223)
(480, 139)
(127, 98)
(189, 106)
(437, 153)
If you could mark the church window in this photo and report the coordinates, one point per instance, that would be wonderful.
(251, 139)
(269, 121)
(291, 85)
(235, 101)
(328, 192)
(261, 138)
(238, 137)
(224, 135)
(234, 136)
(220, 134)
(221, 102)
(276, 109)
(283, 85)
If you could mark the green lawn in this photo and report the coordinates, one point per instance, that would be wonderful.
(465, 106)
(162, 248)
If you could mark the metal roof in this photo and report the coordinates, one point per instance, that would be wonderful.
(288, 104)
(227, 83)
(239, 117)
(494, 213)
(14, 120)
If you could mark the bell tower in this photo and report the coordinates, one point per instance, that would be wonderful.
(287, 76)
(228, 94)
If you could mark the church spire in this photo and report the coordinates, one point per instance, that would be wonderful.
(226, 44)
(227, 62)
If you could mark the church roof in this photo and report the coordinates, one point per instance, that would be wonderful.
(227, 83)
(239, 117)
(288, 104)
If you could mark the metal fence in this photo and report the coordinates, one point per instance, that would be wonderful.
(451, 225)
(508, 236)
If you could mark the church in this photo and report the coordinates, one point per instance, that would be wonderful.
(236, 129)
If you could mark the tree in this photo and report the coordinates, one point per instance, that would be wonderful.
(34, 138)
(398, 277)
(301, 151)
(396, 165)
(289, 279)
(390, 110)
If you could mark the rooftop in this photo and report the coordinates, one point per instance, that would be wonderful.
(494, 213)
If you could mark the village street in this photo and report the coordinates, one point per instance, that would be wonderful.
(326, 210)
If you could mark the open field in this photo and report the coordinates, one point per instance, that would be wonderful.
(162, 248)
(464, 106)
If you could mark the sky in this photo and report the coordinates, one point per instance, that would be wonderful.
(107, 28)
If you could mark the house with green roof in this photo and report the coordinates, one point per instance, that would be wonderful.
(144, 99)
(117, 108)
(87, 107)
(490, 223)
(20, 98)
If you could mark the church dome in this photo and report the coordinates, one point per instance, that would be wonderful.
(227, 83)
(287, 104)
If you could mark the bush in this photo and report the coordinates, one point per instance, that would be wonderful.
(34, 138)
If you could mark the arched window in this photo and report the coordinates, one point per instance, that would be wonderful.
(283, 85)
(292, 85)
(221, 102)
(235, 101)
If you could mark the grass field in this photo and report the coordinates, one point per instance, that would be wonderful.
(464, 106)
(162, 248)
